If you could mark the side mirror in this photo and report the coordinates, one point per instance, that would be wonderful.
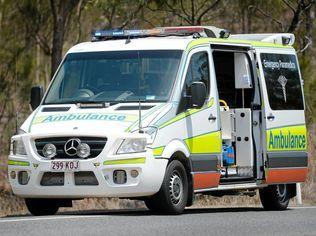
(37, 93)
(198, 93)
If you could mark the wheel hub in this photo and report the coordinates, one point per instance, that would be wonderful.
(175, 188)
(281, 192)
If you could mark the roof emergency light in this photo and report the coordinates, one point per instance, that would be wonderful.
(200, 31)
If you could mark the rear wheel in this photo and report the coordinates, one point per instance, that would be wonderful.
(275, 197)
(173, 194)
(40, 207)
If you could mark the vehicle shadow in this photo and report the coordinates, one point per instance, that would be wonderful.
(146, 212)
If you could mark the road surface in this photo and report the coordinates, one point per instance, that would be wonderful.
(202, 221)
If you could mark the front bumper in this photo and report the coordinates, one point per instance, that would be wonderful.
(148, 182)
(151, 173)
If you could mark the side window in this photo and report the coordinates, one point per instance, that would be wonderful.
(282, 81)
(198, 71)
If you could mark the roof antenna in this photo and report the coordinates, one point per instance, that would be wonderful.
(140, 129)
(128, 40)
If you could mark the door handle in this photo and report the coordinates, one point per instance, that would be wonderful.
(211, 117)
(270, 116)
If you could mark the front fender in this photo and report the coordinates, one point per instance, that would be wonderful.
(174, 146)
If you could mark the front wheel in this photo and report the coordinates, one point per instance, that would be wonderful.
(40, 207)
(173, 194)
(275, 197)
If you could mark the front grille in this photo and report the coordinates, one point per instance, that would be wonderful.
(96, 145)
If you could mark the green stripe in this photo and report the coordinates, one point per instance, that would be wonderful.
(210, 142)
(151, 111)
(18, 163)
(140, 160)
(186, 114)
(287, 126)
(157, 151)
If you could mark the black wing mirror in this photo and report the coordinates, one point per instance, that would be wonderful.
(198, 94)
(37, 93)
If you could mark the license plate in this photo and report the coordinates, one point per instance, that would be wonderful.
(60, 166)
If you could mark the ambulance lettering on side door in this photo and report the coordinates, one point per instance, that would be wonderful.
(135, 115)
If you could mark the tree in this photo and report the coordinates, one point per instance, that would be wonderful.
(120, 13)
(192, 12)
(47, 25)
(61, 11)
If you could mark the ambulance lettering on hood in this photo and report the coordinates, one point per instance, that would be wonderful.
(85, 117)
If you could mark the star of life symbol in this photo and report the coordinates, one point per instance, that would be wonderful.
(282, 80)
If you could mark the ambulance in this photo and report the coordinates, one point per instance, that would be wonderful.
(161, 115)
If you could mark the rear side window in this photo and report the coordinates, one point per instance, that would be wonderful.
(283, 81)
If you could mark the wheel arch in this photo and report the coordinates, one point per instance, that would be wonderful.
(178, 150)
(180, 156)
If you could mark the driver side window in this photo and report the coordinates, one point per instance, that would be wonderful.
(198, 71)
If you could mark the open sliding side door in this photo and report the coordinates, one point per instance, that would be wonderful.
(255, 106)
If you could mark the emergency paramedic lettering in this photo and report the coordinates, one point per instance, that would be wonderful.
(278, 64)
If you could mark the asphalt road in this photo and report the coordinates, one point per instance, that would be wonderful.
(210, 221)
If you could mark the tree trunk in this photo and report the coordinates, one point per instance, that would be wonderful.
(58, 42)
(61, 11)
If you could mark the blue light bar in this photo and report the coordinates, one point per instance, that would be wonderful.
(163, 31)
(108, 33)
(111, 34)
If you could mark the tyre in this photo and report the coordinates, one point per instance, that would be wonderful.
(173, 194)
(151, 205)
(40, 207)
(275, 197)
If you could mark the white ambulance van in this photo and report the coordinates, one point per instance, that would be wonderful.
(161, 115)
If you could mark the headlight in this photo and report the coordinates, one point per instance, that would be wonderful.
(132, 145)
(17, 147)
(151, 131)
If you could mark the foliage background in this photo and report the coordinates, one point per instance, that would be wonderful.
(34, 34)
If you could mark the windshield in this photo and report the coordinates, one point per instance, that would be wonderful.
(118, 76)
